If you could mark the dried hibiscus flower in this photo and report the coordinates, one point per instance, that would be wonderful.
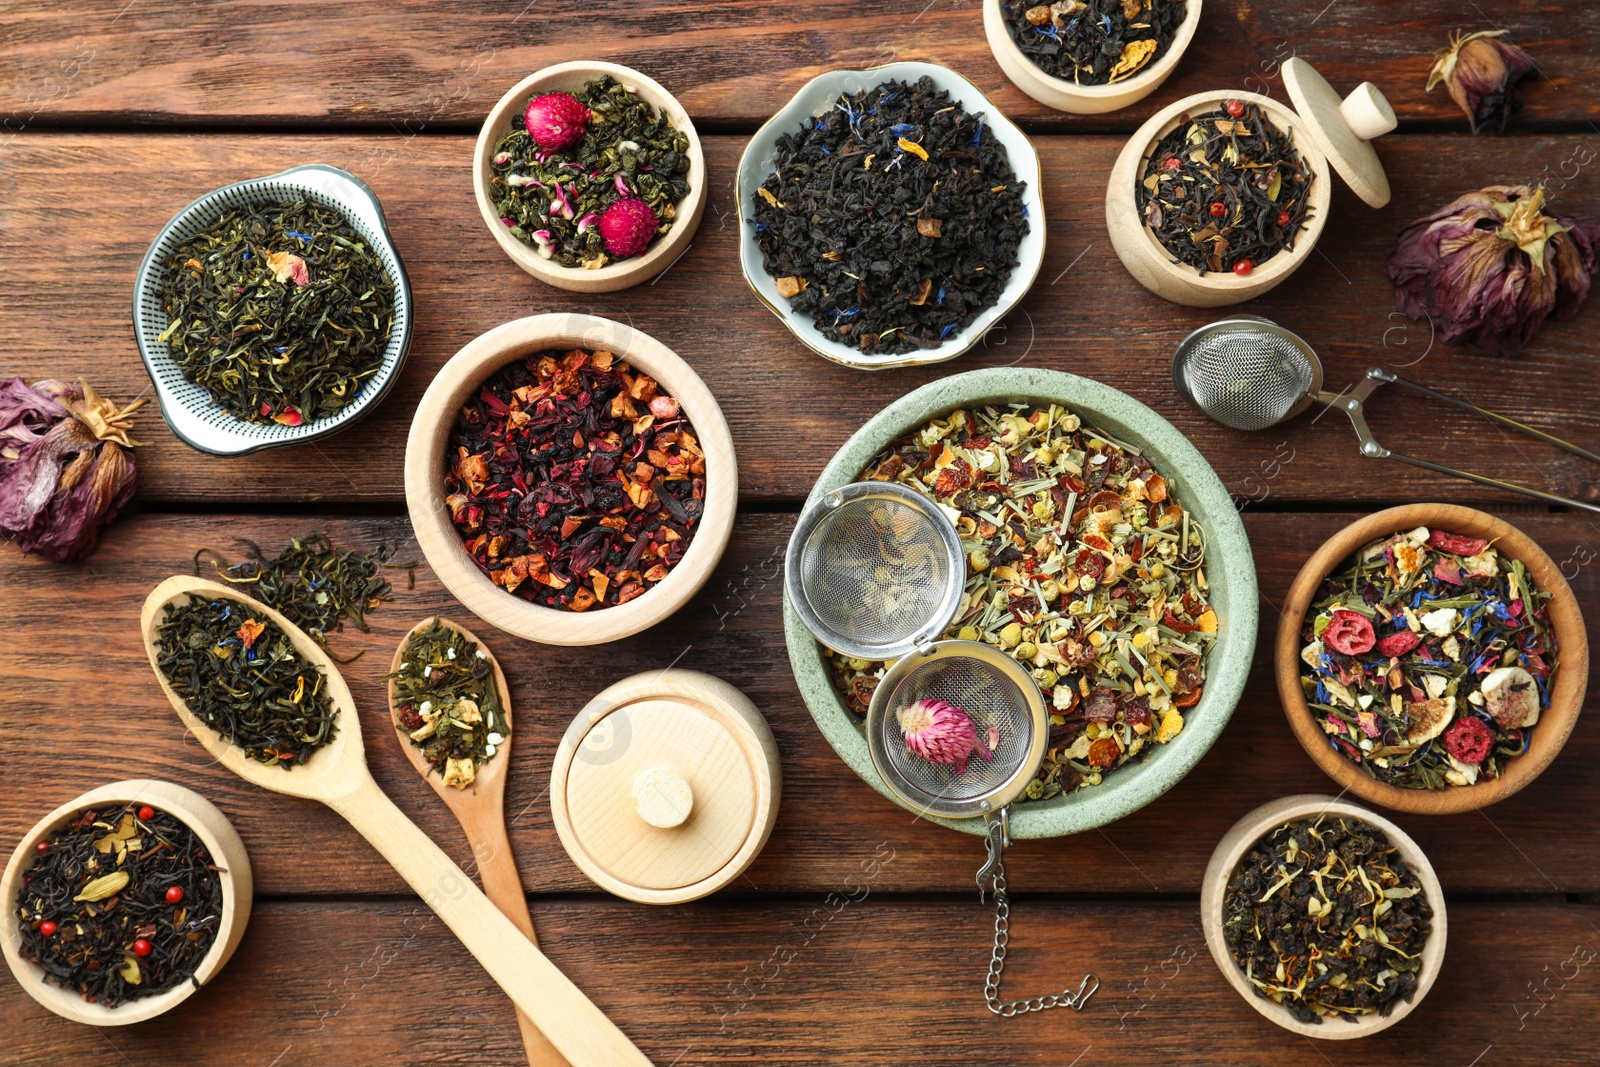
(1484, 76)
(66, 465)
(1490, 267)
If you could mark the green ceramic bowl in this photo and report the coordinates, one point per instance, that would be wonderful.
(1230, 569)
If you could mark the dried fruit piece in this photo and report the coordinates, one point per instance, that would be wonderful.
(1512, 696)
(1349, 632)
(1468, 740)
(1399, 643)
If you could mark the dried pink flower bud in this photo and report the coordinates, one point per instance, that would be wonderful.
(555, 121)
(627, 226)
(1489, 268)
(1484, 76)
(942, 733)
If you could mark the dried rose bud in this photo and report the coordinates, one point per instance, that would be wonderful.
(1490, 267)
(66, 465)
(1484, 76)
(942, 733)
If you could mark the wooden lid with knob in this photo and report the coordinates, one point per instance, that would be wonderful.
(666, 786)
(1344, 129)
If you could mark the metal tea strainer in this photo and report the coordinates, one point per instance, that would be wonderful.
(875, 570)
(1250, 373)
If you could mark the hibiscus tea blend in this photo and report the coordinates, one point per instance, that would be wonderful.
(893, 220)
(279, 310)
(574, 481)
(120, 903)
(1225, 190)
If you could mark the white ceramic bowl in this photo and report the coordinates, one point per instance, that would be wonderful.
(1064, 95)
(227, 852)
(196, 419)
(1243, 836)
(815, 98)
(441, 543)
(569, 77)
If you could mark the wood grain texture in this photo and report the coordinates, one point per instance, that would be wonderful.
(1543, 840)
(422, 66)
(67, 314)
(844, 974)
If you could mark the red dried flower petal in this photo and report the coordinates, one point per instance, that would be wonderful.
(1456, 543)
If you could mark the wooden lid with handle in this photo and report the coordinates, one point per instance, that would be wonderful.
(665, 787)
(1344, 129)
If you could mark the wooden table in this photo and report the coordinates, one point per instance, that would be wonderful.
(857, 937)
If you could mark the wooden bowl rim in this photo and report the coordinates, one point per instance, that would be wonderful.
(616, 275)
(1134, 89)
(1566, 696)
(442, 545)
(721, 701)
(1243, 835)
(222, 842)
(1121, 204)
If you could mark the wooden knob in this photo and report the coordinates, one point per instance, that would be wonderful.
(662, 797)
(1367, 112)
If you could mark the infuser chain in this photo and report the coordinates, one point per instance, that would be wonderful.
(993, 873)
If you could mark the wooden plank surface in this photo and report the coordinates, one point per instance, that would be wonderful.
(96, 715)
(79, 211)
(423, 66)
(790, 980)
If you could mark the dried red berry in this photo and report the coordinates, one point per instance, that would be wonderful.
(1173, 163)
(142, 947)
(555, 121)
(1243, 267)
(1283, 218)
(628, 226)
(1218, 209)
(1350, 632)
(1101, 705)
(175, 894)
(47, 928)
(1468, 739)
(147, 813)
(1104, 752)
(1234, 107)
(42, 846)
(1399, 643)
(1456, 543)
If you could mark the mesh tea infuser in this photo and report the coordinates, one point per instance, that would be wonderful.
(875, 570)
(1250, 373)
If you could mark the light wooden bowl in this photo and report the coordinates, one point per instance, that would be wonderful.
(1250, 829)
(1566, 697)
(699, 732)
(441, 544)
(1064, 95)
(227, 852)
(1323, 124)
(569, 77)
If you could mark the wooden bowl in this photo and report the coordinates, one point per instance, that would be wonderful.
(815, 98)
(1566, 697)
(1329, 133)
(227, 852)
(461, 378)
(1064, 95)
(1250, 829)
(569, 77)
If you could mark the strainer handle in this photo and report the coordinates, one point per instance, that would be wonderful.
(993, 875)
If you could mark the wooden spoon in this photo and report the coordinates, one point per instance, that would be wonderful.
(337, 775)
(480, 809)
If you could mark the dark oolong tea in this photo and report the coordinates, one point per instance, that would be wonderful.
(279, 310)
(893, 219)
(1325, 918)
(241, 675)
(1093, 42)
(1225, 190)
(120, 903)
(591, 176)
